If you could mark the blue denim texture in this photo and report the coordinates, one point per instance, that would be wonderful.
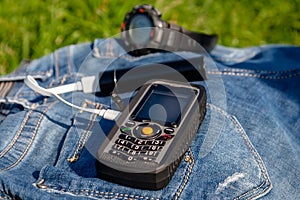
(46, 148)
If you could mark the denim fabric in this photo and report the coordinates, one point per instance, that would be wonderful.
(253, 120)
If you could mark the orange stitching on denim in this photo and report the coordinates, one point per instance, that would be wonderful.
(17, 135)
(100, 194)
(32, 138)
(63, 80)
(110, 195)
(92, 103)
(84, 137)
(187, 175)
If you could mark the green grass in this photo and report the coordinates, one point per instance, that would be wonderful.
(30, 29)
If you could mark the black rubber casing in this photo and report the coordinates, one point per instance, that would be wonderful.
(157, 176)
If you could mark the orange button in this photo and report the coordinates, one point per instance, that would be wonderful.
(147, 130)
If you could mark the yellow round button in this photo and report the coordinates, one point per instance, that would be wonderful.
(147, 130)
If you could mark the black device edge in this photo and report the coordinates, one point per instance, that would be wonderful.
(163, 177)
(192, 69)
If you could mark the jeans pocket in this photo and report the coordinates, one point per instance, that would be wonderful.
(61, 183)
(32, 137)
(232, 168)
(75, 176)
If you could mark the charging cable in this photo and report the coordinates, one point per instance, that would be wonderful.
(85, 85)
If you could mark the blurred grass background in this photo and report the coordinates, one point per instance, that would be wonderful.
(30, 29)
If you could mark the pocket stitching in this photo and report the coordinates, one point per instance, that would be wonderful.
(16, 137)
(187, 175)
(253, 151)
(85, 135)
(258, 160)
(31, 140)
(99, 194)
(102, 194)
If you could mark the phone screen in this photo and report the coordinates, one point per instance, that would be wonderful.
(164, 105)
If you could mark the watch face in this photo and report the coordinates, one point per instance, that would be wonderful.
(142, 26)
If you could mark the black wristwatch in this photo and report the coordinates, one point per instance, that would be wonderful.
(143, 32)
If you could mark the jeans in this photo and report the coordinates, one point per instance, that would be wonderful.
(247, 147)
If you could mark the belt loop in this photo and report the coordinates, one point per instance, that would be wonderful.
(5, 88)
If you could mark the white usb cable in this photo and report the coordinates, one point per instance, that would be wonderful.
(85, 85)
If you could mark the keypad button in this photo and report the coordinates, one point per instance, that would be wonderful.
(127, 137)
(147, 131)
(140, 142)
(137, 147)
(113, 152)
(165, 137)
(130, 158)
(126, 130)
(169, 130)
(151, 148)
(145, 158)
(130, 123)
(132, 152)
(129, 148)
(156, 142)
(118, 147)
(149, 153)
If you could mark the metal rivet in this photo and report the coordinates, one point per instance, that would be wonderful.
(187, 159)
(72, 159)
(40, 184)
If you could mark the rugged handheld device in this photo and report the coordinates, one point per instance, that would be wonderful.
(150, 137)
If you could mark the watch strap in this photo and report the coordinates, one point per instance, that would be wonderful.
(192, 41)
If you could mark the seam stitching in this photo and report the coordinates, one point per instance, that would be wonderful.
(187, 175)
(32, 138)
(100, 194)
(84, 136)
(245, 74)
(16, 137)
(111, 195)
(254, 71)
(259, 162)
(250, 147)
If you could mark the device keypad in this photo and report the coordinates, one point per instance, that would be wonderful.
(142, 141)
(130, 148)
